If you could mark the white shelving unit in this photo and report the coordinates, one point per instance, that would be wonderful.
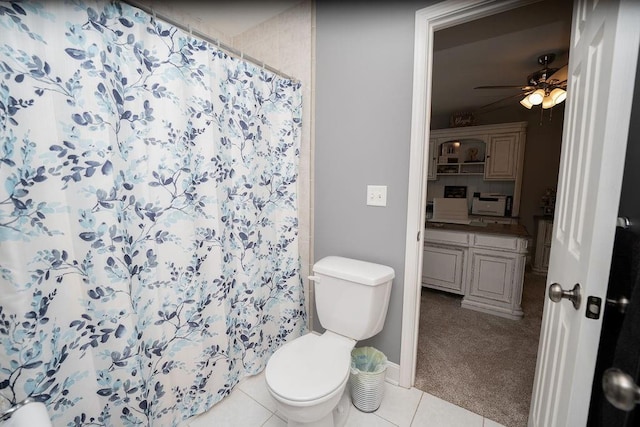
(470, 168)
(487, 153)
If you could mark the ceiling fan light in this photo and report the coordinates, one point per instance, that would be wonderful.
(536, 97)
(525, 103)
(558, 95)
(548, 102)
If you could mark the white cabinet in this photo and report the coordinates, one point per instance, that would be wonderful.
(487, 269)
(543, 245)
(502, 157)
(476, 168)
(443, 267)
(432, 159)
(493, 152)
(492, 275)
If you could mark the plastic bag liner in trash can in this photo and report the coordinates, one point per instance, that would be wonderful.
(368, 367)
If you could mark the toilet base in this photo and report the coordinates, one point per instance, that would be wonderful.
(341, 412)
(336, 418)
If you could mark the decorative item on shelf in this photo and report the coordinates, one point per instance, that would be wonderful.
(449, 152)
(548, 202)
(461, 119)
(448, 169)
(450, 148)
(472, 155)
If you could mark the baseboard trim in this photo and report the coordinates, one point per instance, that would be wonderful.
(392, 375)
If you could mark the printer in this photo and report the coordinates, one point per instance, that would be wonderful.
(491, 204)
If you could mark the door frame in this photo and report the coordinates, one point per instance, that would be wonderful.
(428, 20)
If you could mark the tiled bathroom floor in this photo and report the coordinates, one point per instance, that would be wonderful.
(250, 405)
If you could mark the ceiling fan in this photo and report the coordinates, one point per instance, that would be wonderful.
(546, 86)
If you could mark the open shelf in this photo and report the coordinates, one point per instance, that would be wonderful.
(468, 168)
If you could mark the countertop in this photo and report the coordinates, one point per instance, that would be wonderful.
(516, 230)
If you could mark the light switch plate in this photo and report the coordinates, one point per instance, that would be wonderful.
(376, 195)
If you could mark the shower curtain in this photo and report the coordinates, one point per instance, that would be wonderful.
(148, 219)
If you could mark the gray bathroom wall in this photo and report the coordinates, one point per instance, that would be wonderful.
(364, 71)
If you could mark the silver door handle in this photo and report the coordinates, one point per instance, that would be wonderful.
(621, 303)
(623, 222)
(556, 293)
(620, 389)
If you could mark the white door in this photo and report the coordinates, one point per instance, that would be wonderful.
(603, 57)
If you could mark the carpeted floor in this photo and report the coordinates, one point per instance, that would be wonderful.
(478, 361)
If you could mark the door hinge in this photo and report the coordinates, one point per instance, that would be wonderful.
(418, 237)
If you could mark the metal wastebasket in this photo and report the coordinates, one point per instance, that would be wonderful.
(368, 367)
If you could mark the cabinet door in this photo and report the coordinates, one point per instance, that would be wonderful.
(492, 275)
(444, 268)
(543, 246)
(502, 157)
(548, 229)
(433, 156)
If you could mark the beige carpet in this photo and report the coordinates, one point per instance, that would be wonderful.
(478, 361)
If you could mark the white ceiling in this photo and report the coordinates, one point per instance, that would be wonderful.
(498, 50)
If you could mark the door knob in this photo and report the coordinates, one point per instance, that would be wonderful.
(556, 293)
(620, 389)
(621, 303)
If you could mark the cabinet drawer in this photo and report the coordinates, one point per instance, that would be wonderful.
(495, 242)
(450, 237)
(444, 268)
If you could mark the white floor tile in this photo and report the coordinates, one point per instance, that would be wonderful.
(251, 405)
(275, 421)
(435, 412)
(362, 419)
(399, 404)
(490, 423)
(256, 387)
(237, 409)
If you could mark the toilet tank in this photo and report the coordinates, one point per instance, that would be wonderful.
(352, 296)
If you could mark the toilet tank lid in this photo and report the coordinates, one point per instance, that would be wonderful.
(366, 273)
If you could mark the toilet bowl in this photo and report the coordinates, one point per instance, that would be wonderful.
(308, 376)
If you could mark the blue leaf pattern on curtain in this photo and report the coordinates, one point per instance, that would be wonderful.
(148, 215)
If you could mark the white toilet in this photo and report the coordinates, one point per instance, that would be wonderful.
(308, 376)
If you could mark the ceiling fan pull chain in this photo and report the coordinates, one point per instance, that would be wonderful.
(541, 116)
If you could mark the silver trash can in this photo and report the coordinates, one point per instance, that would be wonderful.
(368, 368)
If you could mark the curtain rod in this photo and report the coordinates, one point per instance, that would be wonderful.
(232, 51)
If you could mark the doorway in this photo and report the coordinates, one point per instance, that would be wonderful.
(560, 395)
(442, 19)
(482, 362)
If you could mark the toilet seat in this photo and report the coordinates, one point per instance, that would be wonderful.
(309, 369)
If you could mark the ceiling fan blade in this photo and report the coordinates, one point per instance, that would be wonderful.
(499, 101)
(560, 75)
(562, 84)
(505, 87)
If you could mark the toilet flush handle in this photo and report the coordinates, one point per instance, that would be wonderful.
(314, 278)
